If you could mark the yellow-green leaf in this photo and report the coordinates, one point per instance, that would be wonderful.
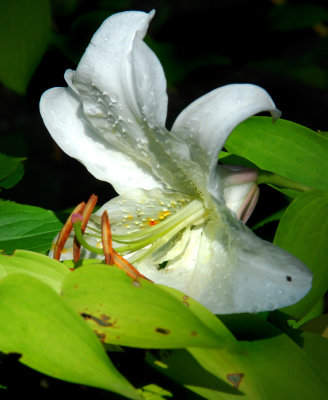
(50, 337)
(139, 314)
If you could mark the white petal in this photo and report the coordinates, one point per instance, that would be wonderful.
(179, 272)
(207, 122)
(238, 272)
(119, 78)
(230, 270)
(122, 89)
(63, 117)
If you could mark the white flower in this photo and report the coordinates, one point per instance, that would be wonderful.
(171, 218)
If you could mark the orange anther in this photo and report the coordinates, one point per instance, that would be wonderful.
(86, 213)
(106, 236)
(123, 264)
(111, 256)
(66, 231)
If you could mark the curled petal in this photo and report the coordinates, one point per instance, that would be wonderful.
(112, 115)
(123, 95)
(207, 122)
(120, 80)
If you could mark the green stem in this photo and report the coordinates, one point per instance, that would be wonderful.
(271, 178)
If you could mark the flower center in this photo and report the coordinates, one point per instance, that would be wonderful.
(142, 243)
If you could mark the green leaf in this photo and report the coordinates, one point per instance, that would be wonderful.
(154, 392)
(13, 178)
(183, 368)
(26, 227)
(315, 311)
(279, 359)
(316, 348)
(233, 159)
(139, 314)
(43, 268)
(11, 170)
(318, 325)
(50, 337)
(303, 231)
(285, 148)
(212, 321)
(24, 32)
(271, 366)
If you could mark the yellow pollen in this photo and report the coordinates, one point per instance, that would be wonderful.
(163, 214)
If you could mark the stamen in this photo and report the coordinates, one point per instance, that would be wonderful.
(159, 229)
(169, 235)
(142, 243)
(124, 264)
(111, 257)
(191, 214)
(66, 231)
(106, 236)
(86, 213)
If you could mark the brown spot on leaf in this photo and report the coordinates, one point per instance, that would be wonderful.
(184, 300)
(235, 379)
(103, 320)
(193, 333)
(101, 336)
(162, 331)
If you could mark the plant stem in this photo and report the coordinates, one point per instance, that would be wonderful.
(278, 180)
